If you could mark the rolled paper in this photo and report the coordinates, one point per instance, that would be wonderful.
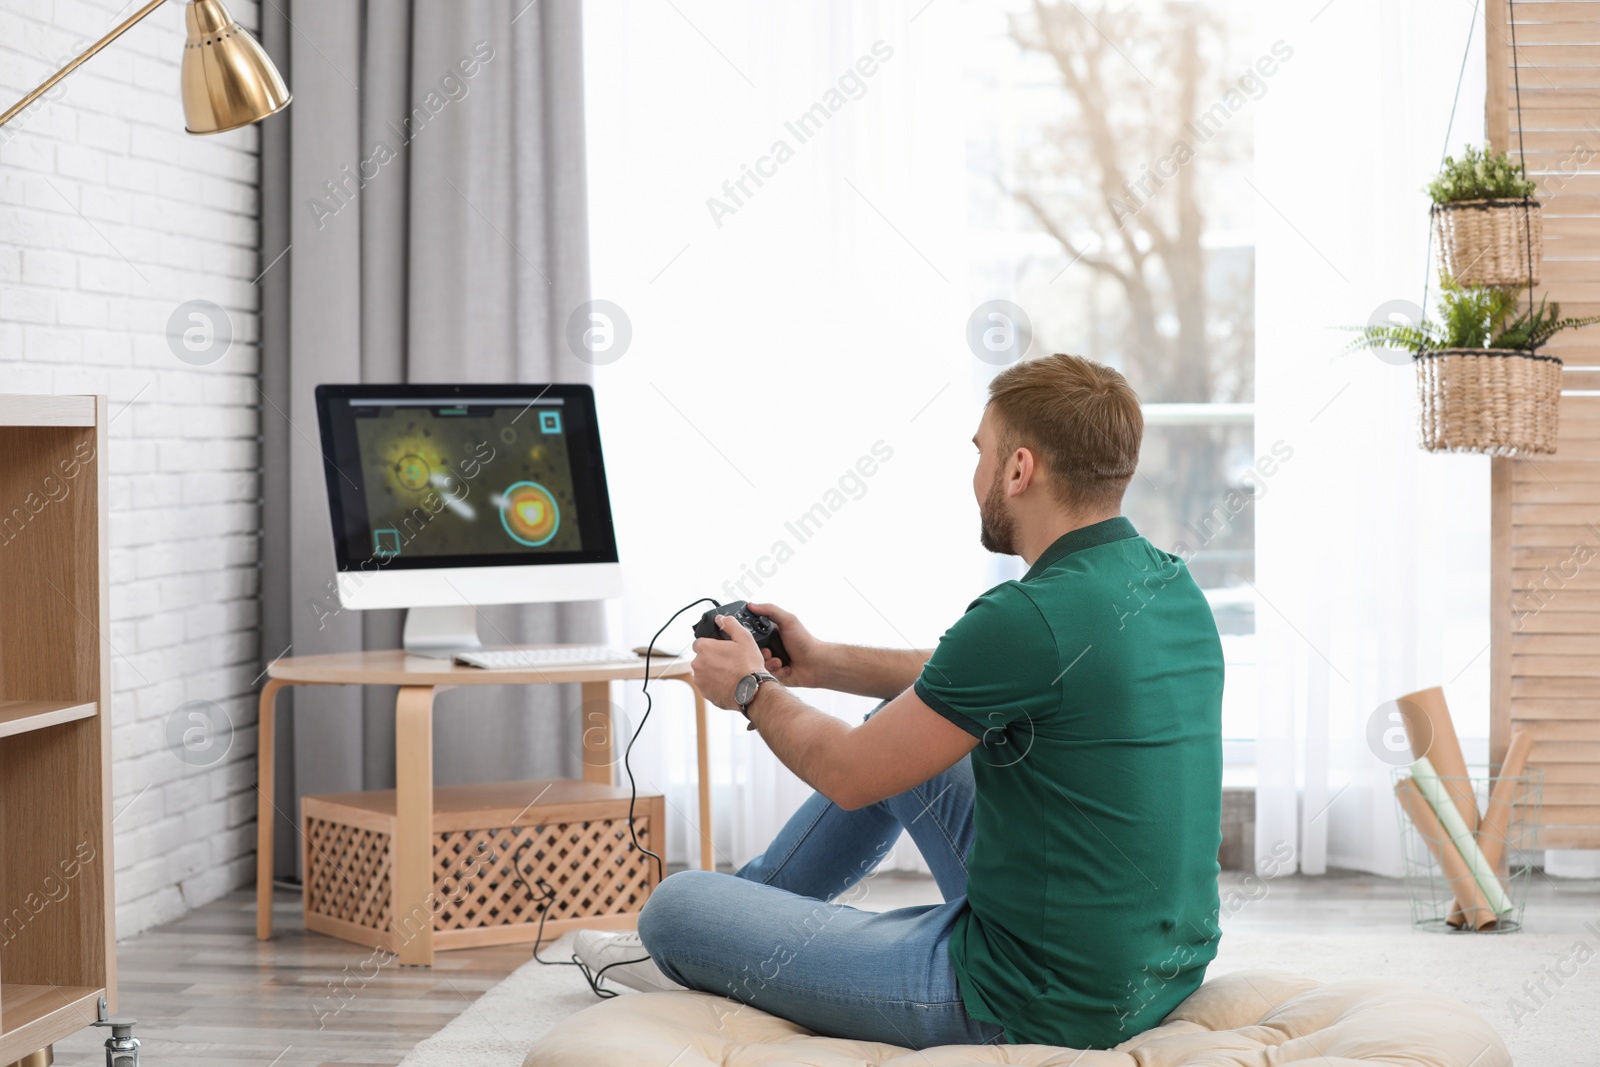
(1434, 737)
(1470, 908)
(1443, 805)
(1496, 824)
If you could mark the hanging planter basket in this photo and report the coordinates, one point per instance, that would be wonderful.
(1500, 402)
(1490, 242)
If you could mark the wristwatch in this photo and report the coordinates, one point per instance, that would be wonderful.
(745, 692)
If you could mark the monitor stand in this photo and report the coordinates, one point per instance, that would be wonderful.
(440, 632)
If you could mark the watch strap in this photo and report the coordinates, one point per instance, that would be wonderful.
(744, 708)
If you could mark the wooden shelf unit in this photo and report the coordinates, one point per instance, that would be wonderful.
(57, 942)
(20, 716)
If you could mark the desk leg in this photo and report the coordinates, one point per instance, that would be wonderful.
(708, 860)
(413, 845)
(599, 756)
(266, 807)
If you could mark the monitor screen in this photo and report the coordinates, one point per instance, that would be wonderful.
(454, 475)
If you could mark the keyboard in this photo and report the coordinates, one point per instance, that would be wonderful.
(502, 659)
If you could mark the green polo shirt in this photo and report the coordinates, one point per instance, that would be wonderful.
(1094, 685)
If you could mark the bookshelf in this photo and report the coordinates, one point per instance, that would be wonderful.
(57, 946)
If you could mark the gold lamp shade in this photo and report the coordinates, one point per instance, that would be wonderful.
(228, 81)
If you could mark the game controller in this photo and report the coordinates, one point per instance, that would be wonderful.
(763, 629)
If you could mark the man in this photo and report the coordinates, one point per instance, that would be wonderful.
(1057, 760)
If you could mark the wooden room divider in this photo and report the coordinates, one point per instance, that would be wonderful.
(1545, 510)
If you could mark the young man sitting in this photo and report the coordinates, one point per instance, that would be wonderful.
(1057, 759)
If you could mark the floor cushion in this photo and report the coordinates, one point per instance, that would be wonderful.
(1244, 1019)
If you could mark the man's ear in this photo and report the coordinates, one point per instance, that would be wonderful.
(1022, 473)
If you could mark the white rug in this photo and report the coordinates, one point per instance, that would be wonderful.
(499, 1028)
(1499, 977)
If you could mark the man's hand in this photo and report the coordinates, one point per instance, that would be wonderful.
(807, 670)
(718, 664)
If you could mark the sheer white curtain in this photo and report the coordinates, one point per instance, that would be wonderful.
(1372, 557)
(791, 418)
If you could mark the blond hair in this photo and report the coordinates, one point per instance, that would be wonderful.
(1080, 418)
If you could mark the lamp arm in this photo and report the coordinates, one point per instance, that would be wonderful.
(78, 60)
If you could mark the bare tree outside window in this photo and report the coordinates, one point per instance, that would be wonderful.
(1132, 169)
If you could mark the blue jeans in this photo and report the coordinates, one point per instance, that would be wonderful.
(780, 935)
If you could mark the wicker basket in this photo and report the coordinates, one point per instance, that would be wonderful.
(1500, 402)
(1488, 242)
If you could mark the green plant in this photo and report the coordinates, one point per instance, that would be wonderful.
(1530, 330)
(1473, 317)
(1479, 175)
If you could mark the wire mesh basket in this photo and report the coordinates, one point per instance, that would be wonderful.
(1468, 845)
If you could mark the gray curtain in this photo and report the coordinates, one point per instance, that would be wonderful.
(423, 220)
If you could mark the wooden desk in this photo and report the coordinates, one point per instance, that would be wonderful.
(419, 678)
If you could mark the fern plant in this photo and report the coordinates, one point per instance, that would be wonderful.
(1530, 330)
(1479, 175)
(1473, 317)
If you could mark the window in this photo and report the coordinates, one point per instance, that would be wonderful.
(1109, 154)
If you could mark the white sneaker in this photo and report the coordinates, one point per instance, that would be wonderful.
(623, 959)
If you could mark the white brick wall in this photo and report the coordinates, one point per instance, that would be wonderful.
(110, 217)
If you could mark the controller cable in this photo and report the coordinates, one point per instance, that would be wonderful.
(546, 897)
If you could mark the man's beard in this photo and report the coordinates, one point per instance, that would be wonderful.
(997, 527)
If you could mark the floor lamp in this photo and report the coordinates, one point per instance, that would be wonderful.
(228, 81)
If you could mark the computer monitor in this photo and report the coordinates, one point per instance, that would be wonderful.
(445, 497)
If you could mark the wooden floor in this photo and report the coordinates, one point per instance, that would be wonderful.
(208, 994)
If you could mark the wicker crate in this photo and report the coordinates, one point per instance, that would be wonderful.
(581, 862)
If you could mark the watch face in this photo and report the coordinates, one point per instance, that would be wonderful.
(745, 691)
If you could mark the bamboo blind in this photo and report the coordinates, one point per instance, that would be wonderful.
(1545, 511)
